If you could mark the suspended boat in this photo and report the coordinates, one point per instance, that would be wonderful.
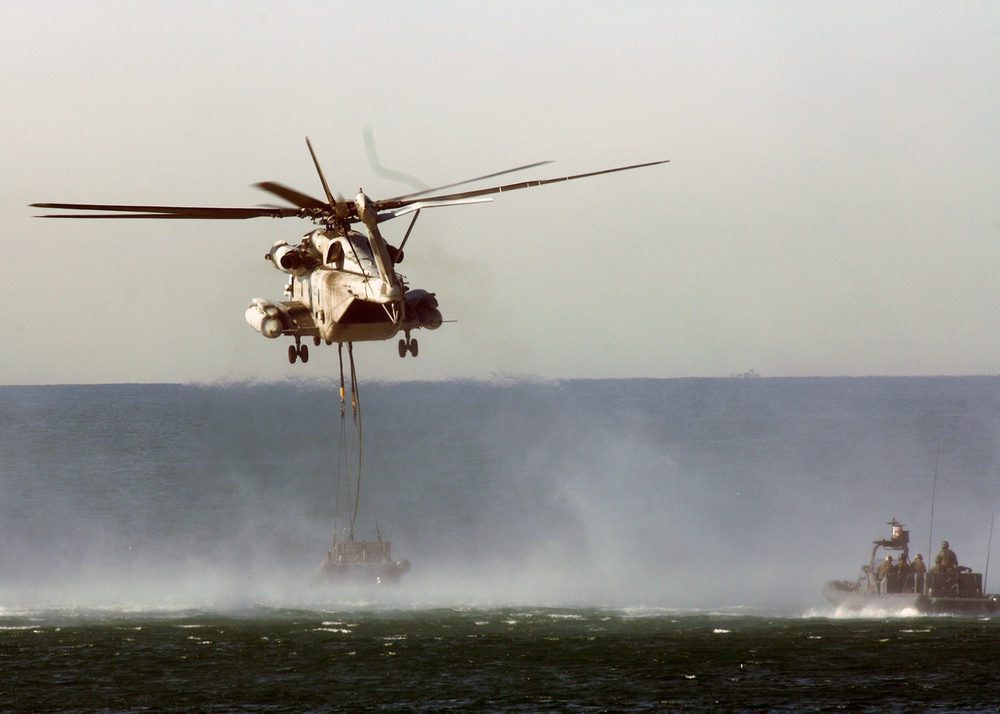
(352, 561)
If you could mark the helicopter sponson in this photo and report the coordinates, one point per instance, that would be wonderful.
(424, 306)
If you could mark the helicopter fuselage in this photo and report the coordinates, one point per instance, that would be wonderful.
(348, 306)
(341, 290)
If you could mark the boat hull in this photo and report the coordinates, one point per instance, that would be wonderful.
(362, 573)
(850, 596)
(361, 563)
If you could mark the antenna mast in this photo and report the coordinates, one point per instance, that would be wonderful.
(930, 537)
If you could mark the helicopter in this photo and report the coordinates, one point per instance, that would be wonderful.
(343, 285)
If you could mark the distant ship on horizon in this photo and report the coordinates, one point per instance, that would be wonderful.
(749, 374)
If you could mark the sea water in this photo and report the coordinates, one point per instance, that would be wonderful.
(528, 659)
(632, 545)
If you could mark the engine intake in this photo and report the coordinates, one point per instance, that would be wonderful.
(289, 259)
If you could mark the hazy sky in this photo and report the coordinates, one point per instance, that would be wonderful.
(831, 205)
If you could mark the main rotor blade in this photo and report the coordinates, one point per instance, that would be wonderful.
(462, 183)
(191, 212)
(396, 203)
(291, 195)
(308, 207)
(322, 178)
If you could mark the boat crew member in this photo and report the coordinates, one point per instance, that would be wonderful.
(948, 585)
(919, 570)
(884, 572)
(948, 558)
(938, 566)
(903, 571)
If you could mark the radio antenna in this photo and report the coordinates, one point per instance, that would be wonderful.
(930, 537)
(986, 570)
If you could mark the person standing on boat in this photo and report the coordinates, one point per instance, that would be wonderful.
(884, 572)
(903, 570)
(919, 570)
(947, 557)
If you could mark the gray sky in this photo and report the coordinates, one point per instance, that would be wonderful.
(830, 207)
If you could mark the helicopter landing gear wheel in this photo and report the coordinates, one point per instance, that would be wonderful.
(316, 340)
(407, 345)
(298, 351)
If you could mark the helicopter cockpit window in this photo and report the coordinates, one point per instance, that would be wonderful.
(362, 253)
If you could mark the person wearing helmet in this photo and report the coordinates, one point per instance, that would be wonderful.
(919, 570)
(884, 572)
(949, 561)
(903, 570)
